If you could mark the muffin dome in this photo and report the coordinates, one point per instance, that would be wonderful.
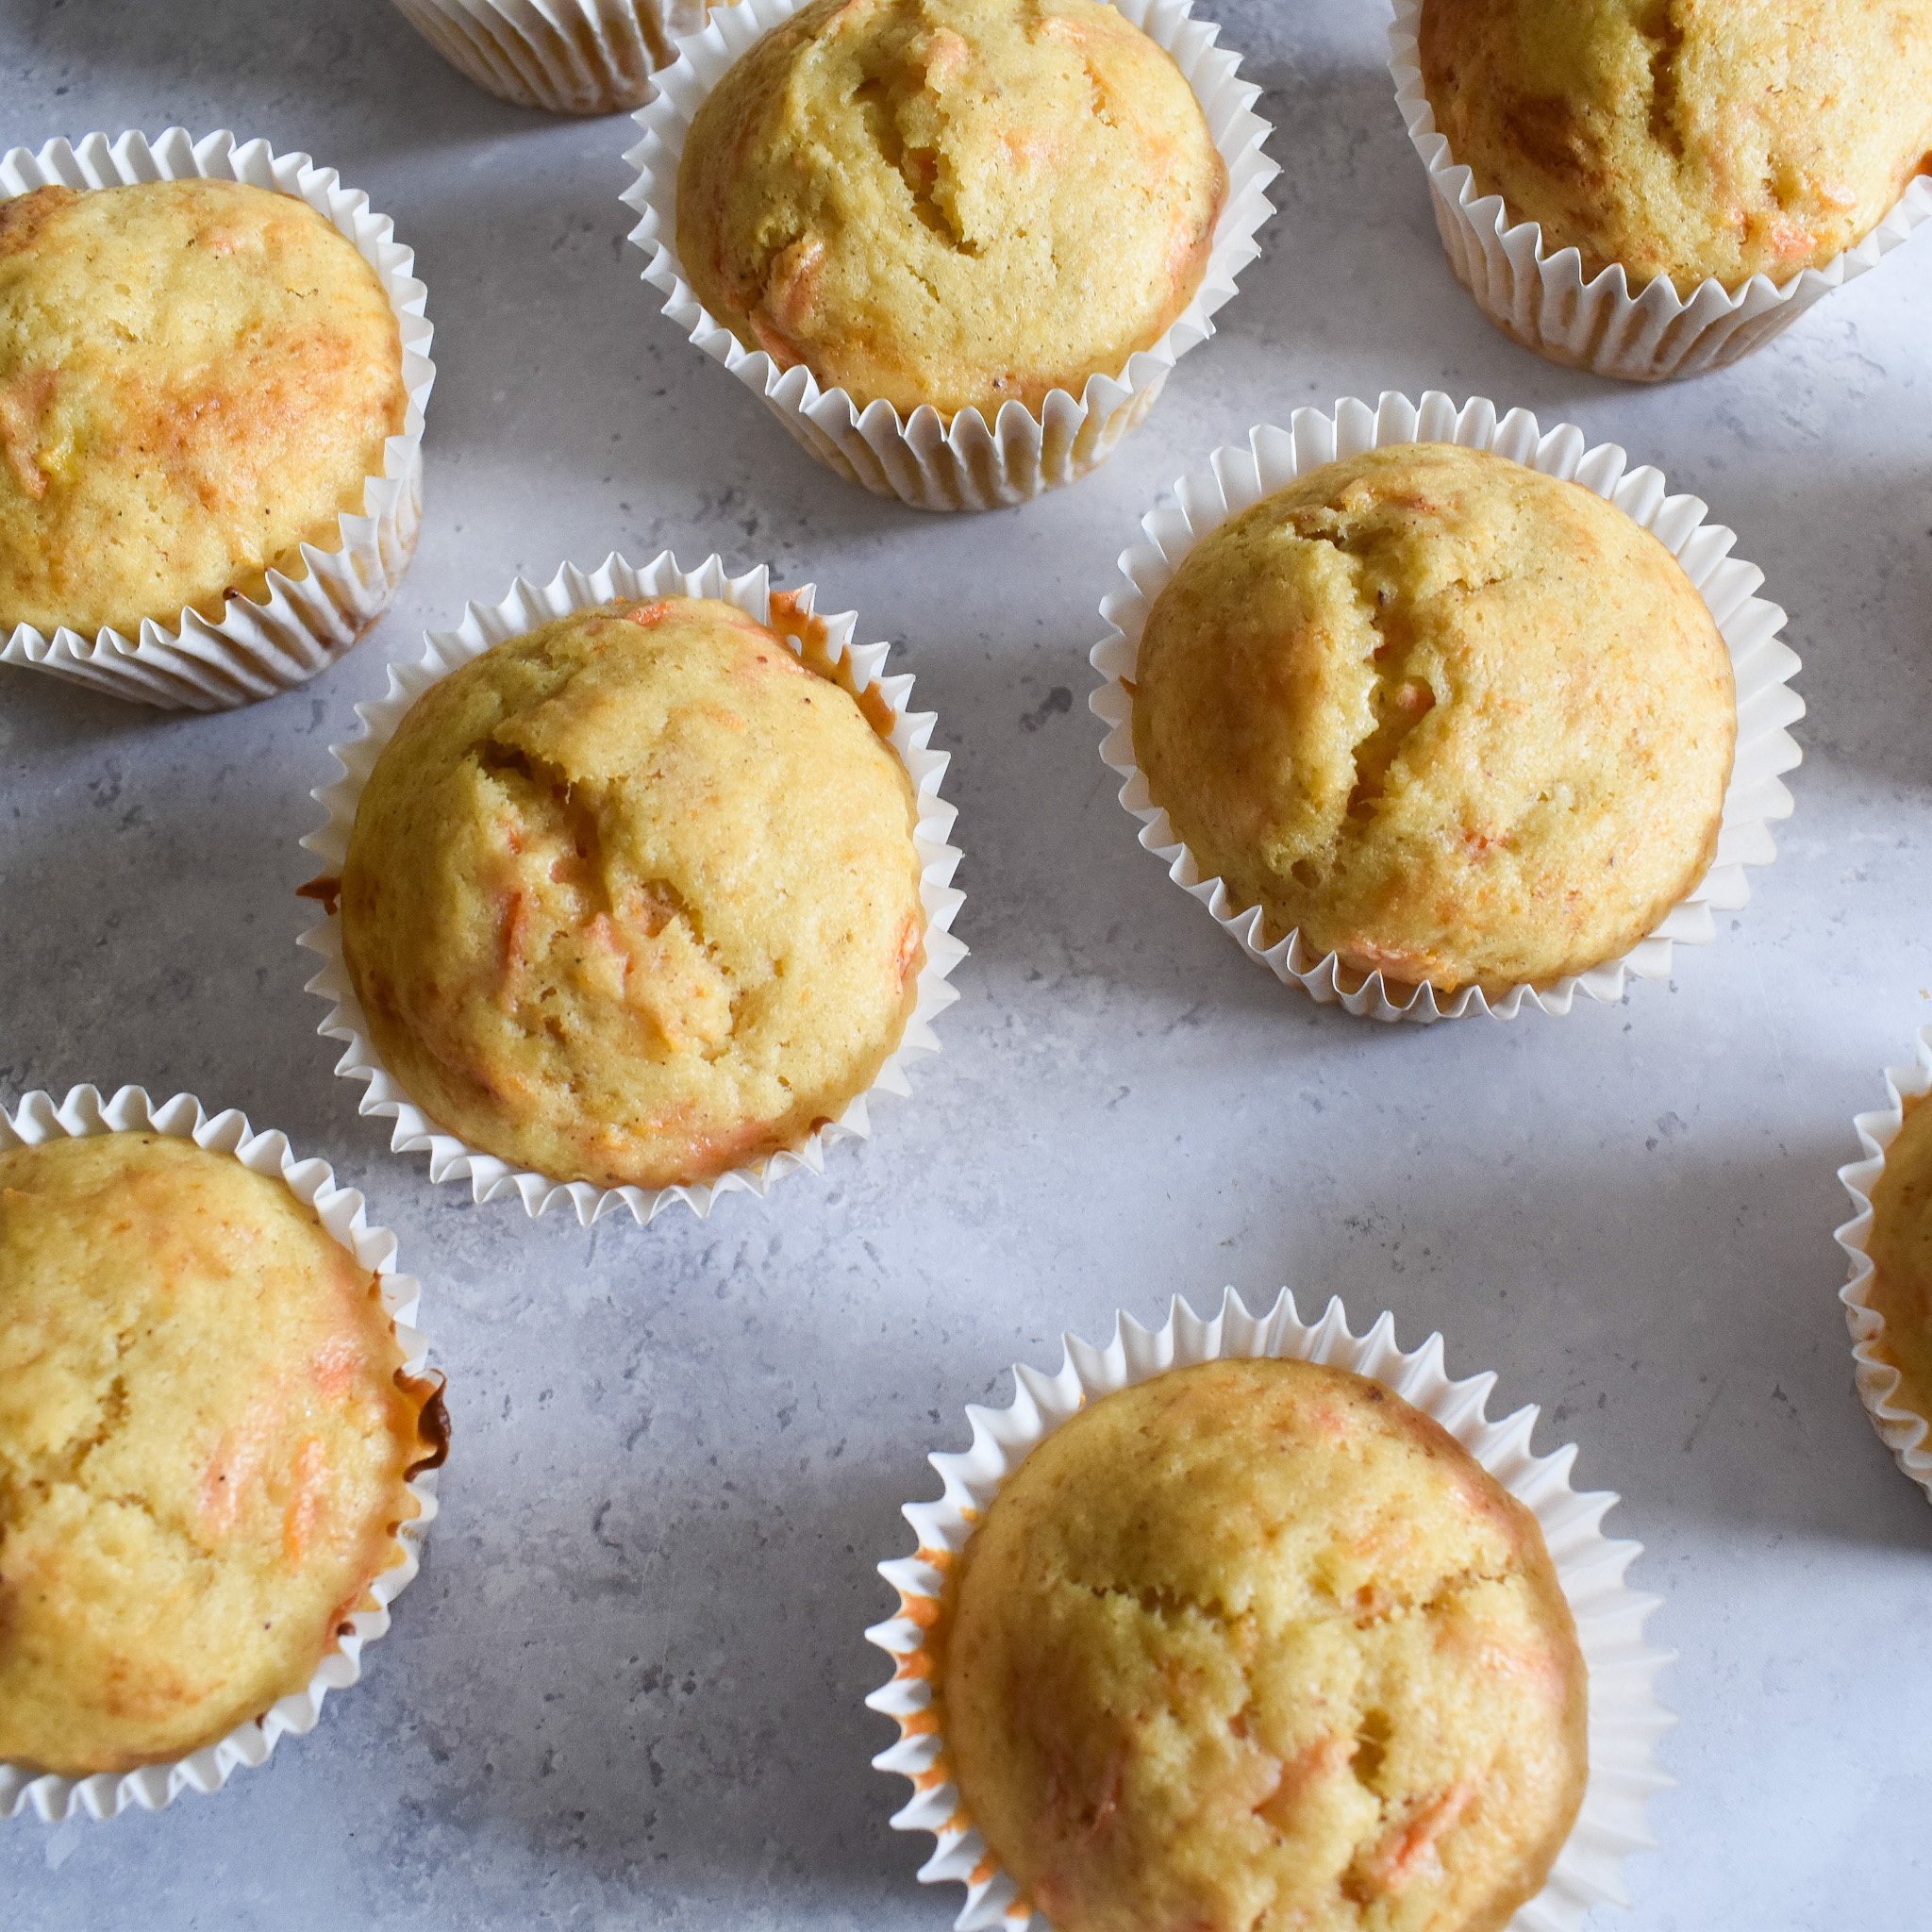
(1454, 721)
(1255, 1646)
(1900, 1245)
(1687, 140)
(634, 898)
(205, 1440)
(958, 203)
(197, 378)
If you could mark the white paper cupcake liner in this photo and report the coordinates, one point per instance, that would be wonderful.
(922, 459)
(1544, 303)
(1625, 1716)
(305, 622)
(525, 608)
(1760, 663)
(566, 56)
(84, 1112)
(1903, 1431)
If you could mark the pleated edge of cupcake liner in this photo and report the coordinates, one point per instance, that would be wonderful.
(1903, 1431)
(522, 52)
(923, 459)
(83, 1113)
(257, 649)
(1627, 1717)
(528, 605)
(1605, 309)
(1762, 666)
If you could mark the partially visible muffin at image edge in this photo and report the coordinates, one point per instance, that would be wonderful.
(1900, 1245)
(1454, 721)
(1681, 139)
(956, 202)
(197, 378)
(635, 898)
(206, 1435)
(1256, 1645)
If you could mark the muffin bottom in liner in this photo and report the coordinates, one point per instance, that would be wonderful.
(1902, 1430)
(54, 1797)
(825, 642)
(922, 459)
(1544, 301)
(1762, 665)
(303, 623)
(563, 56)
(1625, 1716)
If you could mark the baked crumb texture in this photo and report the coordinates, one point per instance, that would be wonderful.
(1255, 1646)
(634, 898)
(959, 203)
(1454, 721)
(1900, 1245)
(1686, 139)
(197, 378)
(203, 1448)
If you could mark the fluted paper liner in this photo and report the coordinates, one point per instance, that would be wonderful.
(525, 608)
(1544, 303)
(83, 1113)
(1761, 665)
(1625, 1716)
(922, 459)
(1903, 1431)
(566, 56)
(305, 622)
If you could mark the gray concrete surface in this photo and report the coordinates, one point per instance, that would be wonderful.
(627, 1690)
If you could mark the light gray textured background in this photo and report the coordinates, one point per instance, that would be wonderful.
(626, 1689)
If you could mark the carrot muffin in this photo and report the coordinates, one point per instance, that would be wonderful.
(196, 379)
(1900, 1245)
(204, 1438)
(950, 201)
(634, 898)
(1452, 720)
(1687, 140)
(1255, 1646)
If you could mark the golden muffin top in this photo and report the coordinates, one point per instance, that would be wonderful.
(1900, 1245)
(953, 202)
(196, 379)
(1255, 1646)
(1686, 139)
(1455, 720)
(634, 898)
(205, 1436)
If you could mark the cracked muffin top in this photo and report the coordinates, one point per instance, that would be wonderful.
(1452, 720)
(1900, 1245)
(634, 898)
(196, 378)
(1255, 1646)
(204, 1438)
(959, 203)
(1682, 138)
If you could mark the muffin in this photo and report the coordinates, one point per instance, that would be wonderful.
(1256, 1645)
(1900, 1245)
(954, 203)
(206, 1435)
(634, 898)
(569, 57)
(1452, 721)
(197, 378)
(1690, 143)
